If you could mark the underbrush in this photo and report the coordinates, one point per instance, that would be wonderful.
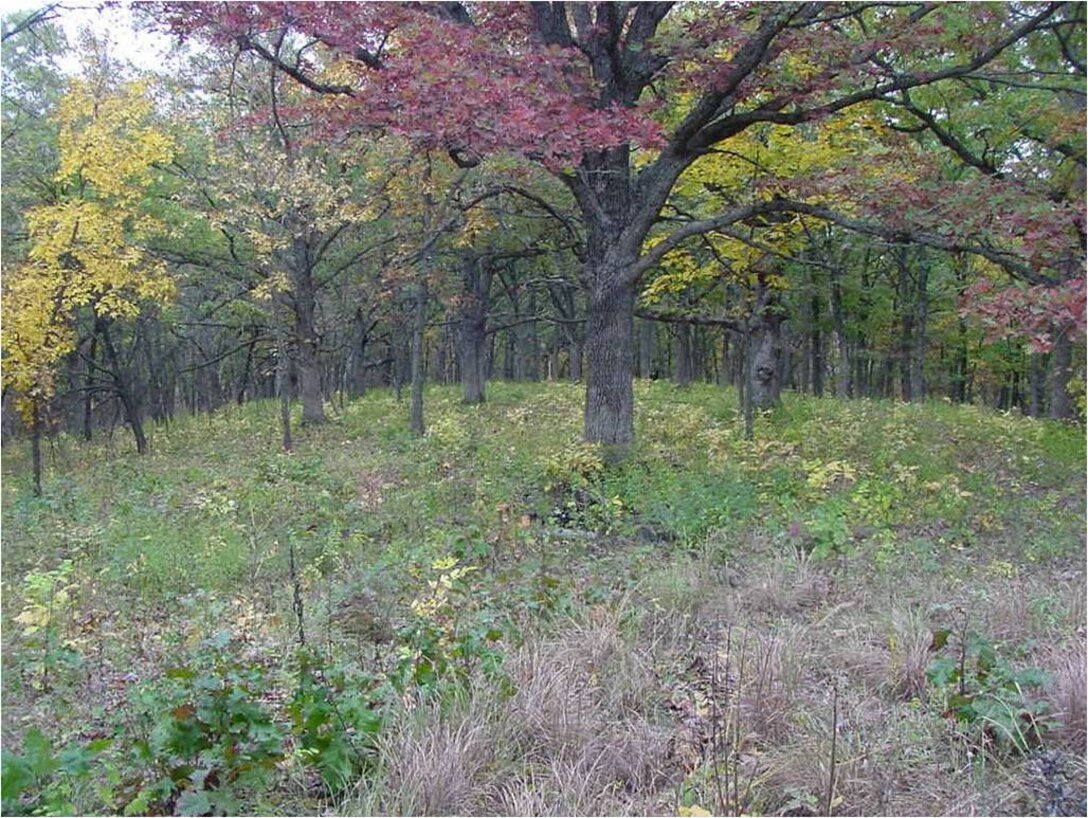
(871, 608)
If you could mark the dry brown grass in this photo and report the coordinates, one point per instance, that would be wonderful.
(577, 737)
(1067, 691)
(785, 586)
(719, 693)
(435, 762)
(899, 652)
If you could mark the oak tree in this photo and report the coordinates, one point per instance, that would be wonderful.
(572, 86)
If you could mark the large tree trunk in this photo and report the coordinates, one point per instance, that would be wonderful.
(1061, 372)
(611, 252)
(766, 351)
(308, 361)
(609, 408)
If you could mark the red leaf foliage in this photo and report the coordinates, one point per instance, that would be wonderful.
(1038, 314)
(485, 87)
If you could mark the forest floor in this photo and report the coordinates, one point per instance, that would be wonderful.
(872, 608)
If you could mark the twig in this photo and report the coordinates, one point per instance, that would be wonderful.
(829, 802)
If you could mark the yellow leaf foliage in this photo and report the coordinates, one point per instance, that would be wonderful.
(773, 155)
(86, 248)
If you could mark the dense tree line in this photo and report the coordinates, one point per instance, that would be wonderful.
(770, 196)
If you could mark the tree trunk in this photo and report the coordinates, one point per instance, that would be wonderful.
(1061, 372)
(747, 385)
(842, 344)
(476, 285)
(283, 388)
(308, 362)
(88, 384)
(419, 324)
(920, 337)
(682, 357)
(609, 407)
(36, 446)
(816, 351)
(1036, 385)
(528, 346)
(766, 357)
(574, 355)
(123, 386)
(646, 331)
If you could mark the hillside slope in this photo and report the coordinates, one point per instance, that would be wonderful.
(874, 607)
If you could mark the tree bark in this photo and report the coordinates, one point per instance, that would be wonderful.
(88, 383)
(766, 358)
(283, 388)
(306, 341)
(646, 331)
(842, 343)
(124, 387)
(476, 286)
(419, 325)
(1061, 372)
(36, 446)
(682, 355)
(816, 351)
(920, 337)
(609, 407)
(1036, 385)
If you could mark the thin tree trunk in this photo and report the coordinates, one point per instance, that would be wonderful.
(419, 325)
(88, 395)
(476, 284)
(36, 446)
(682, 357)
(124, 388)
(282, 387)
(309, 361)
(1036, 384)
(842, 344)
(749, 382)
(919, 338)
(816, 351)
(646, 332)
(243, 385)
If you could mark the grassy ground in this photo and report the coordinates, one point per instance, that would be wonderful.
(874, 608)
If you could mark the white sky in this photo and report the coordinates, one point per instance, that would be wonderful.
(143, 49)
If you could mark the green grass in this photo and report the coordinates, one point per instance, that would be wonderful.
(838, 519)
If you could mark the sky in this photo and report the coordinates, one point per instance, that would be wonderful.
(145, 50)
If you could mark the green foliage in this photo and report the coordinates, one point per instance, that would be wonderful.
(982, 688)
(830, 531)
(47, 606)
(208, 740)
(41, 781)
(167, 551)
(334, 722)
(452, 633)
